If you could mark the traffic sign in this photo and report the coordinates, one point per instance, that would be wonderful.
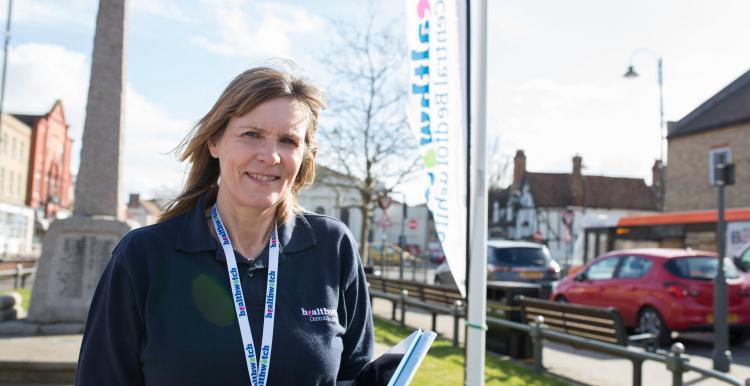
(413, 224)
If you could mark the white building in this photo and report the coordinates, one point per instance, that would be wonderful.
(16, 217)
(333, 194)
(552, 208)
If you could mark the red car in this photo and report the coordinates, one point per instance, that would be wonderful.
(660, 290)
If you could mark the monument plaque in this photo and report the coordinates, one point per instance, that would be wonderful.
(74, 255)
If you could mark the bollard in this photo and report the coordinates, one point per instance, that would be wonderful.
(456, 311)
(676, 363)
(404, 294)
(537, 340)
(637, 371)
(17, 277)
(434, 321)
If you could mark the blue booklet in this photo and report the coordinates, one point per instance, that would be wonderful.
(399, 364)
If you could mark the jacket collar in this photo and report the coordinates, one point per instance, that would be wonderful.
(294, 236)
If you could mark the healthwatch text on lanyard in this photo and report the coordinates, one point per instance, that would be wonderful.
(257, 377)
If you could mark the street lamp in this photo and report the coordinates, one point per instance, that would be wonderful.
(402, 236)
(632, 73)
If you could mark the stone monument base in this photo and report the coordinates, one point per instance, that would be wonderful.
(74, 253)
(25, 327)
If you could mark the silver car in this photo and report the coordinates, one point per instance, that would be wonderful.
(509, 260)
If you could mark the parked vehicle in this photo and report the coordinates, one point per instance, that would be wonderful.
(742, 260)
(660, 290)
(391, 252)
(509, 260)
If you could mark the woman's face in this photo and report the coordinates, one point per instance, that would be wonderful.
(260, 153)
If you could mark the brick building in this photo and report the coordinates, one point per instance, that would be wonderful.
(49, 181)
(718, 128)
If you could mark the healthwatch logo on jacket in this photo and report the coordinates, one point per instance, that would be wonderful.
(319, 314)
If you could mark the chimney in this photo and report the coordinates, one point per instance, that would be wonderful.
(656, 180)
(135, 200)
(576, 181)
(519, 168)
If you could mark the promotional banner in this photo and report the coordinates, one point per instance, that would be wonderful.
(436, 115)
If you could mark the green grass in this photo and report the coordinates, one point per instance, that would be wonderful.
(25, 296)
(444, 364)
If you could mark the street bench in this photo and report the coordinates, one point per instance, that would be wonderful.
(437, 300)
(598, 323)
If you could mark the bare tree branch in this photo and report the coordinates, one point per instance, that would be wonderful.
(370, 143)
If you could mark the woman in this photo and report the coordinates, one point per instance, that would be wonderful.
(235, 282)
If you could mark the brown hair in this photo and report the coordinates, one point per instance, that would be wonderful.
(246, 92)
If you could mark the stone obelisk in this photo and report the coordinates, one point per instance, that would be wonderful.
(76, 250)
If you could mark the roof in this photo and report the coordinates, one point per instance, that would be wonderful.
(728, 107)
(151, 207)
(512, 244)
(28, 119)
(662, 252)
(554, 190)
(686, 217)
(323, 172)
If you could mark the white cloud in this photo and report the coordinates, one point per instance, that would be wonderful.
(150, 136)
(83, 12)
(613, 127)
(257, 29)
(167, 9)
(39, 74)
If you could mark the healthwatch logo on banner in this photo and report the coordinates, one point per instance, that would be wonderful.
(436, 112)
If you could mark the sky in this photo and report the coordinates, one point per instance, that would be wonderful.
(555, 85)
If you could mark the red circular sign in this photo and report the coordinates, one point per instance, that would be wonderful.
(412, 224)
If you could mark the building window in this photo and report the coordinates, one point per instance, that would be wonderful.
(11, 180)
(18, 186)
(13, 149)
(716, 156)
(2, 180)
(345, 216)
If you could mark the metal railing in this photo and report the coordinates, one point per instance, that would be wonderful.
(19, 275)
(675, 360)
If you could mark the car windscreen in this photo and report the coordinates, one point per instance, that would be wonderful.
(518, 257)
(700, 268)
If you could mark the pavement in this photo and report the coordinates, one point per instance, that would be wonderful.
(596, 369)
(39, 360)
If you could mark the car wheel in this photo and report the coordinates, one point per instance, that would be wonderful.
(561, 299)
(650, 321)
(739, 337)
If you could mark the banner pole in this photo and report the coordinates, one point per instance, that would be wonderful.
(477, 239)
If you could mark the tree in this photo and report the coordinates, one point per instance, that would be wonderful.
(369, 144)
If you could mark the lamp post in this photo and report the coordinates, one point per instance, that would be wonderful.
(5, 60)
(402, 237)
(631, 73)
